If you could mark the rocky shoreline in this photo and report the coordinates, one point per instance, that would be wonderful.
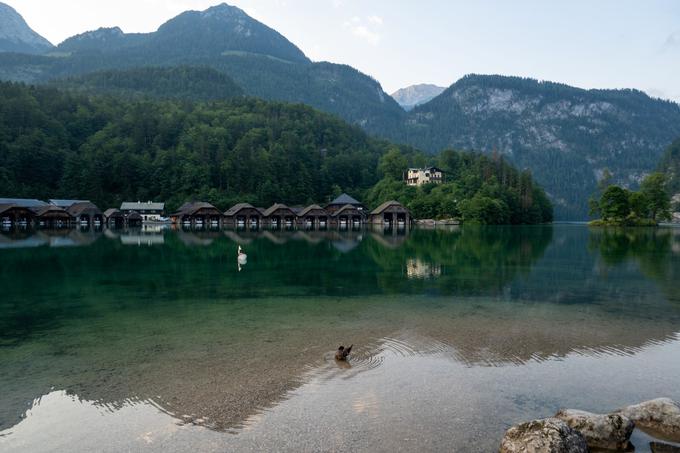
(576, 431)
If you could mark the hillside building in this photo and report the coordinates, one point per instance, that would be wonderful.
(420, 176)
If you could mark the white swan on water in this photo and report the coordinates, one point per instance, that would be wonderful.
(242, 258)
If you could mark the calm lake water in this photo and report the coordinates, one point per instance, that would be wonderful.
(127, 341)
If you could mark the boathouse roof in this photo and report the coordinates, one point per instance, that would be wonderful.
(386, 205)
(308, 209)
(142, 205)
(344, 199)
(113, 212)
(6, 206)
(67, 203)
(23, 202)
(347, 207)
(237, 207)
(190, 208)
(85, 206)
(47, 209)
(275, 207)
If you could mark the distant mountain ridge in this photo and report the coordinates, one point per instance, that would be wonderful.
(567, 136)
(17, 36)
(414, 95)
(100, 40)
(259, 59)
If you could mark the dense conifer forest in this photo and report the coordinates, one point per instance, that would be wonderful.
(670, 166)
(56, 144)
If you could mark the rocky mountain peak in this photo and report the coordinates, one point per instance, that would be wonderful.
(102, 33)
(414, 95)
(225, 11)
(225, 29)
(17, 36)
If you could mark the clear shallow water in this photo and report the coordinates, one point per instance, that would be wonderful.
(159, 341)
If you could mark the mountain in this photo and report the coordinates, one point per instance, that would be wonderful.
(220, 30)
(17, 36)
(263, 62)
(217, 31)
(178, 82)
(414, 95)
(567, 136)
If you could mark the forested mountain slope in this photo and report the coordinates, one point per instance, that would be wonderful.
(263, 62)
(108, 149)
(178, 82)
(64, 145)
(567, 136)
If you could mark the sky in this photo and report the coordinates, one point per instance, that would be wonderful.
(584, 43)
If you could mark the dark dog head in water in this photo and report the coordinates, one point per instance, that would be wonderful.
(342, 352)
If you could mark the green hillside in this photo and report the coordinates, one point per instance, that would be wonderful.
(180, 82)
(56, 144)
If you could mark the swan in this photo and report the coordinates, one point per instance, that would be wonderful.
(242, 258)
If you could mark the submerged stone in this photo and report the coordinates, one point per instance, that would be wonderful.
(550, 435)
(660, 447)
(610, 431)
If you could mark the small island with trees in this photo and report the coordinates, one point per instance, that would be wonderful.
(618, 206)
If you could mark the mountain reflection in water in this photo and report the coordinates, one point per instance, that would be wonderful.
(174, 325)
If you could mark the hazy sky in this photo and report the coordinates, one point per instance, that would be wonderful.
(586, 43)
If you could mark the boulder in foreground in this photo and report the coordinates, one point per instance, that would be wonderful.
(611, 431)
(550, 435)
(659, 417)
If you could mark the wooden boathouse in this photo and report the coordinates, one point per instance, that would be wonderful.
(114, 218)
(348, 216)
(13, 215)
(86, 213)
(391, 214)
(197, 214)
(313, 216)
(243, 215)
(50, 216)
(280, 216)
(18, 211)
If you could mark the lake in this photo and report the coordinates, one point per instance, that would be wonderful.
(163, 341)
